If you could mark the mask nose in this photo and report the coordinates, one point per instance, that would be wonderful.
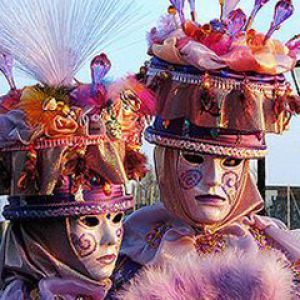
(212, 176)
(109, 237)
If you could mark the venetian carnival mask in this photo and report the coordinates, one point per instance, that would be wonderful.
(96, 241)
(209, 185)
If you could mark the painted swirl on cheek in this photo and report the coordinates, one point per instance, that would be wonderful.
(85, 244)
(189, 179)
(230, 183)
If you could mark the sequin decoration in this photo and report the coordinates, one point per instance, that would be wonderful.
(155, 235)
(295, 267)
(210, 243)
(262, 240)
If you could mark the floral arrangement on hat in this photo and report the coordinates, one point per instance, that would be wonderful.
(224, 41)
(91, 131)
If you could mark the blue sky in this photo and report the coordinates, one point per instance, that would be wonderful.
(283, 160)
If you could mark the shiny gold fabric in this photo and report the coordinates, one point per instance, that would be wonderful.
(229, 105)
(248, 198)
(105, 159)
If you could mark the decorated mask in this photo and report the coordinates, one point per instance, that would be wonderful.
(96, 241)
(209, 185)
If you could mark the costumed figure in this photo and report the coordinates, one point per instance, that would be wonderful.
(66, 150)
(220, 88)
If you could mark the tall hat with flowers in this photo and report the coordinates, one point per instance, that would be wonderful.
(68, 148)
(220, 86)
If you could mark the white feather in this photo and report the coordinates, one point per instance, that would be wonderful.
(51, 40)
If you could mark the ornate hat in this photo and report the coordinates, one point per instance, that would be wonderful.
(68, 148)
(220, 86)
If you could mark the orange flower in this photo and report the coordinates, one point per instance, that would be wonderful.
(45, 111)
(190, 29)
(254, 40)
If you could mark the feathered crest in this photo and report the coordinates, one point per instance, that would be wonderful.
(51, 40)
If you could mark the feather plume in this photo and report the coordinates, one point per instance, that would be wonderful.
(51, 40)
(232, 275)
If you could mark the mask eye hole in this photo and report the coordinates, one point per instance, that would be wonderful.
(195, 159)
(116, 219)
(232, 162)
(90, 221)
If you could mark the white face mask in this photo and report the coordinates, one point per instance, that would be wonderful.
(96, 241)
(209, 185)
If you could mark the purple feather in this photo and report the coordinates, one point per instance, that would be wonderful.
(6, 66)
(236, 22)
(179, 5)
(193, 9)
(257, 7)
(283, 10)
(231, 275)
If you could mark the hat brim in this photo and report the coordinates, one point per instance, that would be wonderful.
(18, 211)
(204, 146)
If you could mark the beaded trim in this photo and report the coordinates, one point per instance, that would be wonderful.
(210, 243)
(42, 144)
(73, 210)
(154, 236)
(216, 81)
(204, 147)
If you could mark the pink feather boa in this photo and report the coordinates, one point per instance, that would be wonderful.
(226, 276)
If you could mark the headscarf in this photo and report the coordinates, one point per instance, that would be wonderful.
(248, 200)
(36, 250)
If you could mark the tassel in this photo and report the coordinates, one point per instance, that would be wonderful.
(293, 101)
(159, 79)
(247, 98)
(135, 165)
(287, 104)
(29, 175)
(208, 102)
